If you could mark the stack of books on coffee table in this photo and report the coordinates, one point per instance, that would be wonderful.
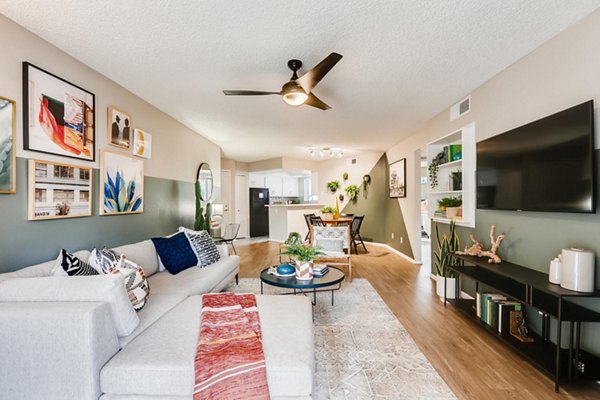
(319, 270)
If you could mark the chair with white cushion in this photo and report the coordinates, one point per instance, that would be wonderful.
(334, 242)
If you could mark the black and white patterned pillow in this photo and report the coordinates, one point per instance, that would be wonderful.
(136, 283)
(204, 247)
(68, 264)
(103, 260)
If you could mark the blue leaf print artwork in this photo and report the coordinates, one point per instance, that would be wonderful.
(120, 196)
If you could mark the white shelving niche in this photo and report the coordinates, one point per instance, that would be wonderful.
(466, 138)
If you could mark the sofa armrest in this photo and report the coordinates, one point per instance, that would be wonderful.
(54, 350)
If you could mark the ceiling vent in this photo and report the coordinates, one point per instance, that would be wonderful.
(351, 161)
(461, 108)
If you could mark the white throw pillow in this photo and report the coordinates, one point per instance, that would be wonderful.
(135, 281)
(105, 288)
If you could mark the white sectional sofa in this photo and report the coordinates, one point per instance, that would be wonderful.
(96, 348)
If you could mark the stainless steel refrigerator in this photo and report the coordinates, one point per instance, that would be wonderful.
(259, 214)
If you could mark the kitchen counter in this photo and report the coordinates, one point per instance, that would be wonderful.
(308, 205)
(286, 218)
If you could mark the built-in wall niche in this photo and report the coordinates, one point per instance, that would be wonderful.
(454, 175)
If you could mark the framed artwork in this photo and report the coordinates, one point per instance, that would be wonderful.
(8, 132)
(58, 190)
(121, 184)
(119, 128)
(397, 183)
(58, 117)
(142, 143)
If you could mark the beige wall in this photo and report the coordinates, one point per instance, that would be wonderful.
(559, 74)
(176, 150)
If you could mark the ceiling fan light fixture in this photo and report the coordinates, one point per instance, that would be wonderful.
(293, 94)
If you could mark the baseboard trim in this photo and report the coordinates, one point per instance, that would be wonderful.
(395, 251)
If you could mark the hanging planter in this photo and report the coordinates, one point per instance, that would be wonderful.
(352, 192)
(333, 186)
(365, 184)
(345, 176)
(433, 169)
(341, 197)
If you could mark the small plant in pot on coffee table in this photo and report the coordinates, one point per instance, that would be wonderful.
(302, 257)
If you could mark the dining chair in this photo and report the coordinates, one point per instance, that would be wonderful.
(307, 218)
(229, 233)
(315, 220)
(355, 232)
(335, 245)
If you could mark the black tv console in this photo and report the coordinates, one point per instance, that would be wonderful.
(530, 288)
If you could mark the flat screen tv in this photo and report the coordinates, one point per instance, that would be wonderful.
(546, 165)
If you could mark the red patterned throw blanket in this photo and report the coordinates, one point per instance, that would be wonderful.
(230, 362)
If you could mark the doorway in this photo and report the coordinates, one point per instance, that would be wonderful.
(425, 221)
(226, 195)
(242, 204)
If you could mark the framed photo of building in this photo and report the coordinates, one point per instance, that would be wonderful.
(397, 183)
(119, 128)
(142, 143)
(8, 132)
(58, 117)
(121, 184)
(59, 190)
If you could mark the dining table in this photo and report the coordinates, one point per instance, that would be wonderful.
(337, 222)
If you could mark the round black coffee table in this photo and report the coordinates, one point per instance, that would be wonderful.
(332, 281)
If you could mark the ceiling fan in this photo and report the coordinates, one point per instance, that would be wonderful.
(298, 91)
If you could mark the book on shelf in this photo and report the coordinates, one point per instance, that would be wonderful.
(454, 152)
(487, 307)
(504, 315)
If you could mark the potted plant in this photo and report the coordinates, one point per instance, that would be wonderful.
(433, 168)
(456, 178)
(450, 205)
(443, 259)
(328, 210)
(302, 258)
(333, 186)
(352, 192)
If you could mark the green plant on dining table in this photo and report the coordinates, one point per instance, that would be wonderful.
(328, 210)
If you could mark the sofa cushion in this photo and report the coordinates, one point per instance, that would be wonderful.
(135, 281)
(38, 270)
(107, 288)
(175, 252)
(194, 280)
(103, 259)
(157, 305)
(151, 365)
(204, 248)
(142, 253)
(68, 264)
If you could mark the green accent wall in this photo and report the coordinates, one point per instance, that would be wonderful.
(383, 215)
(535, 238)
(168, 204)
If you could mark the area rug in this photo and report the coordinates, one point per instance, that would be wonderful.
(362, 350)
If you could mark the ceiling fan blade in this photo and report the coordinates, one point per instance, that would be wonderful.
(314, 101)
(309, 80)
(246, 93)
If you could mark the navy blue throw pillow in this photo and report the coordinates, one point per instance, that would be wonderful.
(175, 252)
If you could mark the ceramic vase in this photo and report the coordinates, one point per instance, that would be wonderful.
(304, 270)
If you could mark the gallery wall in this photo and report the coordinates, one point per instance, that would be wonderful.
(169, 193)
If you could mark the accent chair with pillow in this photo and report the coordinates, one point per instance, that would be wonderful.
(334, 242)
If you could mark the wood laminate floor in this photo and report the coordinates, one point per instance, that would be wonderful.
(473, 363)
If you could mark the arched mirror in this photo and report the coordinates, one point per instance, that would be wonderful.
(205, 178)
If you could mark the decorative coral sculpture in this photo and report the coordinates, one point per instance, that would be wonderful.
(477, 250)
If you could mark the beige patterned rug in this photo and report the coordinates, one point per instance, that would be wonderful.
(362, 350)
